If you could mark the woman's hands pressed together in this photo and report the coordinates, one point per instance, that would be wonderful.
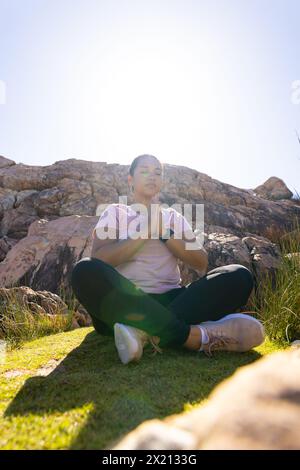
(151, 225)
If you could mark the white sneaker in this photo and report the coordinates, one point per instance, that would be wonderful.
(130, 342)
(235, 332)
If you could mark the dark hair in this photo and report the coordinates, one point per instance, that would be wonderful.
(136, 161)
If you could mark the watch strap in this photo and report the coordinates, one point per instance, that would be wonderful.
(170, 232)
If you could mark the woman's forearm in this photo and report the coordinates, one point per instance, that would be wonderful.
(119, 251)
(197, 259)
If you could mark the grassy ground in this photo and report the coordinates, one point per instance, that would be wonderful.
(90, 399)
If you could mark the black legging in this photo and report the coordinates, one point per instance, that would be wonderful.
(111, 298)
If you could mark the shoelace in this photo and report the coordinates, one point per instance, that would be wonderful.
(216, 341)
(154, 342)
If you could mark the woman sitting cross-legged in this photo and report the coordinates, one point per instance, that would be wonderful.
(131, 285)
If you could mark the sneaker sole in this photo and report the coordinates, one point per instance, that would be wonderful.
(126, 344)
(249, 331)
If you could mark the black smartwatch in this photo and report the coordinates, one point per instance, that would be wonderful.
(162, 239)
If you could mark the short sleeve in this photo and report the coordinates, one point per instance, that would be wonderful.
(181, 226)
(193, 237)
(107, 224)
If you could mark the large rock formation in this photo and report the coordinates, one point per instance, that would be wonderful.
(256, 408)
(47, 214)
(274, 189)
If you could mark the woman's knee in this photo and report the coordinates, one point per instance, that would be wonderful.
(244, 277)
(85, 269)
(81, 268)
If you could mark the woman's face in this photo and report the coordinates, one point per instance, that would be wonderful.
(147, 177)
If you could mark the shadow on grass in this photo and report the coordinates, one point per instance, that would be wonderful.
(122, 396)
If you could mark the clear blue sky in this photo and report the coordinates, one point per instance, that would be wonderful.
(206, 84)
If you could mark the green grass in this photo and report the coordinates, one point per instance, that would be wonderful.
(92, 399)
(278, 300)
(19, 324)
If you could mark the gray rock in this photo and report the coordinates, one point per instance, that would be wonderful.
(257, 408)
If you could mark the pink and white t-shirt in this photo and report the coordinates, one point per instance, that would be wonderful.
(153, 267)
